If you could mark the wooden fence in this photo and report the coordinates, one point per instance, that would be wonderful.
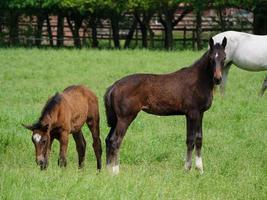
(184, 32)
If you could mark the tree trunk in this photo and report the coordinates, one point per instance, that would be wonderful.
(221, 17)
(198, 29)
(60, 29)
(38, 34)
(168, 35)
(75, 29)
(260, 19)
(144, 26)
(50, 35)
(115, 31)
(93, 24)
(130, 34)
(13, 28)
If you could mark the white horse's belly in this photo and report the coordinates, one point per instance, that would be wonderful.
(251, 55)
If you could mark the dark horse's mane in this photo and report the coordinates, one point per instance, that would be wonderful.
(202, 61)
(50, 104)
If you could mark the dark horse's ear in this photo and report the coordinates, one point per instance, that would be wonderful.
(211, 43)
(224, 42)
(29, 127)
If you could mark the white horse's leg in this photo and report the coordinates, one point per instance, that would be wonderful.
(264, 86)
(224, 77)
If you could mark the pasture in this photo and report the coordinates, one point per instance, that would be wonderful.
(153, 151)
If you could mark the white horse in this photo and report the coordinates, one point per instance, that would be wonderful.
(246, 51)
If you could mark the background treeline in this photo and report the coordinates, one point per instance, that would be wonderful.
(91, 12)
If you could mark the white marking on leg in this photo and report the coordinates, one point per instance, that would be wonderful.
(115, 170)
(37, 138)
(199, 164)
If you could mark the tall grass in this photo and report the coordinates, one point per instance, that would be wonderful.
(152, 153)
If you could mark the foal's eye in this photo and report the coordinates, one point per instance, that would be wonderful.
(43, 141)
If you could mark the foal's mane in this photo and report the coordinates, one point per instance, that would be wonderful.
(50, 104)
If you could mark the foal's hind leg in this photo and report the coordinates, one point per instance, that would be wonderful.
(93, 124)
(80, 147)
(264, 86)
(113, 142)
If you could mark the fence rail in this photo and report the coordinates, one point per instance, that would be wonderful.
(184, 32)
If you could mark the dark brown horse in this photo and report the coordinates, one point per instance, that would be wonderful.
(63, 114)
(188, 92)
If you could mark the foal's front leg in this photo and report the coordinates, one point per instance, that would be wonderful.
(80, 147)
(63, 140)
(193, 121)
(198, 143)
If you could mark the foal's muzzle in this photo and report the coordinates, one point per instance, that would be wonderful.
(217, 81)
(42, 163)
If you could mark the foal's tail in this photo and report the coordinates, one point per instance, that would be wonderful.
(110, 112)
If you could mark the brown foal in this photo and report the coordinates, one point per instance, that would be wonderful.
(65, 113)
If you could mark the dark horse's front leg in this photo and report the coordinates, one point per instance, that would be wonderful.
(194, 138)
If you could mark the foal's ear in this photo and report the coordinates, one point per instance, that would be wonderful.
(224, 42)
(29, 127)
(45, 127)
(211, 43)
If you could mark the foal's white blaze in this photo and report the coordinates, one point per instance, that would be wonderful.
(216, 55)
(37, 138)
(199, 164)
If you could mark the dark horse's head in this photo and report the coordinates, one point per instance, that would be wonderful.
(41, 141)
(217, 56)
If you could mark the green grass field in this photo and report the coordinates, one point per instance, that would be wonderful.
(153, 151)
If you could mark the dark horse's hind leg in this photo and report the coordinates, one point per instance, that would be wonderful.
(113, 143)
(80, 147)
(194, 138)
(93, 124)
(264, 86)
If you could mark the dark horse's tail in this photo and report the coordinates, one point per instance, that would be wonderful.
(110, 112)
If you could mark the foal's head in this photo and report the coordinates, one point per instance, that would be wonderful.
(41, 141)
(217, 57)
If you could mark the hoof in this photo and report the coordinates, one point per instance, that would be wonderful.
(187, 166)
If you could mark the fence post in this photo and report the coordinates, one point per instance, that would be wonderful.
(193, 39)
(184, 41)
(109, 39)
(136, 36)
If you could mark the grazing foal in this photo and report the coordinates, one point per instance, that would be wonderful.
(63, 114)
(188, 92)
